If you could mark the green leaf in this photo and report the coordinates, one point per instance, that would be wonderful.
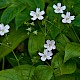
(23, 72)
(43, 72)
(68, 68)
(66, 77)
(36, 43)
(11, 12)
(57, 60)
(24, 16)
(13, 39)
(72, 50)
(4, 3)
(36, 4)
(61, 42)
(76, 22)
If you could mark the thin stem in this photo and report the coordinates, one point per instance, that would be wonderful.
(48, 63)
(3, 63)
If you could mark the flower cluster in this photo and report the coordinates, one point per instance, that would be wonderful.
(48, 50)
(66, 18)
(4, 29)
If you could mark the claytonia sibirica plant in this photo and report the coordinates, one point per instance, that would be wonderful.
(4, 29)
(67, 18)
(58, 8)
(50, 45)
(37, 15)
(42, 39)
(46, 55)
(47, 52)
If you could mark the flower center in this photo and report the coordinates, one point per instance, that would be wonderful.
(59, 9)
(67, 18)
(2, 30)
(37, 15)
(50, 45)
(45, 56)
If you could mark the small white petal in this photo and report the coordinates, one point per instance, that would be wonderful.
(45, 51)
(69, 21)
(54, 6)
(48, 42)
(68, 14)
(43, 58)
(72, 17)
(2, 33)
(53, 47)
(32, 13)
(49, 53)
(64, 20)
(63, 15)
(59, 4)
(56, 11)
(37, 10)
(41, 54)
(34, 18)
(40, 17)
(45, 45)
(63, 7)
(7, 27)
(52, 41)
(42, 13)
(48, 57)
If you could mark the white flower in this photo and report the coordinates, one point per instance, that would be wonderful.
(58, 8)
(67, 18)
(4, 29)
(50, 45)
(35, 32)
(45, 55)
(37, 15)
(29, 29)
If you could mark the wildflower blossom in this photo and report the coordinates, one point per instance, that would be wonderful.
(37, 15)
(45, 55)
(4, 29)
(67, 18)
(29, 29)
(50, 45)
(58, 8)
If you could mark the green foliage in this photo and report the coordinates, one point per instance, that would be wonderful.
(65, 62)
(23, 72)
(72, 50)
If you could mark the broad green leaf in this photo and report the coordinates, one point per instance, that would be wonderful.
(57, 60)
(36, 4)
(24, 16)
(11, 12)
(14, 38)
(36, 43)
(72, 50)
(66, 77)
(42, 72)
(68, 68)
(4, 3)
(61, 42)
(23, 72)
(76, 22)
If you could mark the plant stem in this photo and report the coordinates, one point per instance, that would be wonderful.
(3, 63)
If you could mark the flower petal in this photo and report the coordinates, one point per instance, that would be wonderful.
(63, 15)
(7, 27)
(40, 17)
(34, 18)
(49, 53)
(64, 20)
(45, 45)
(48, 42)
(72, 17)
(69, 21)
(67, 14)
(41, 54)
(37, 10)
(59, 4)
(63, 7)
(48, 57)
(54, 6)
(42, 13)
(32, 13)
(43, 58)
